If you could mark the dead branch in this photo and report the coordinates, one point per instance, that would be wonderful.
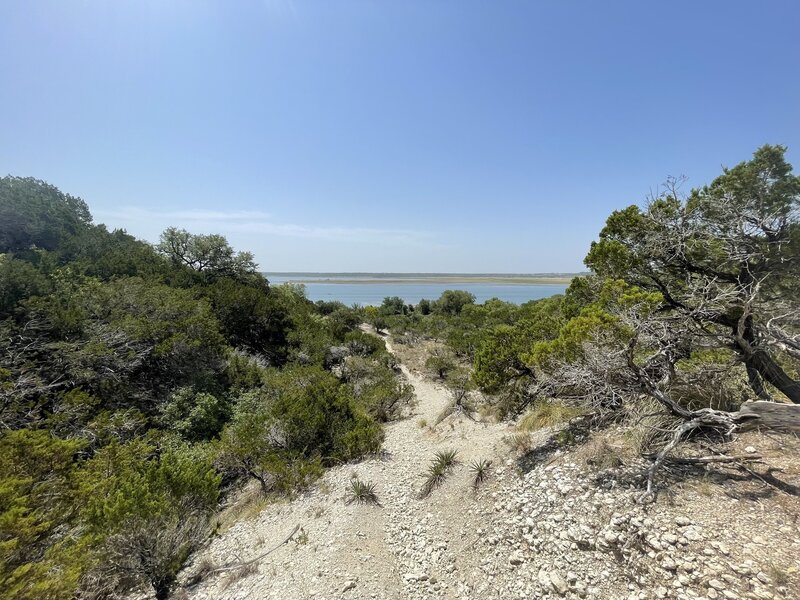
(702, 460)
(257, 558)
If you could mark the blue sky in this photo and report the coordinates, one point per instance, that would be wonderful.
(442, 136)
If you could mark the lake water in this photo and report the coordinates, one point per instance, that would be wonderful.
(373, 293)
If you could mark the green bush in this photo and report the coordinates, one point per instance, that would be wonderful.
(19, 280)
(452, 302)
(303, 417)
(195, 415)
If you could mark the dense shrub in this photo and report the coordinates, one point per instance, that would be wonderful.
(133, 380)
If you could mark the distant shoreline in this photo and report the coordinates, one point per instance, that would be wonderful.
(426, 278)
(441, 280)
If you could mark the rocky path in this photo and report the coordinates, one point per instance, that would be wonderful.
(405, 548)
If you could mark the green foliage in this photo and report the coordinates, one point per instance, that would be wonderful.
(37, 556)
(129, 481)
(441, 362)
(195, 415)
(180, 336)
(451, 302)
(302, 419)
(377, 388)
(344, 321)
(120, 364)
(424, 306)
(499, 358)
(725, 257)
(96, 252)
(361, 492)
(243, 371)
(19, 280)
(480, 471)
(440, 467)
(393, 305)
(316, 414)
(363, 344)
(251, 317)
(36, 214)
(207, 254)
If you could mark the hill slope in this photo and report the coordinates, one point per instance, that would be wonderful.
(561, 529)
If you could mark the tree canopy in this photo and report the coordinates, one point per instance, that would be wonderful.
(728, 257)
(130, 375)
(210, 254)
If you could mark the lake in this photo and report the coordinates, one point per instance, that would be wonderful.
(372, 289)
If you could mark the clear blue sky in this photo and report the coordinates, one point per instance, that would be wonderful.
(390, 136)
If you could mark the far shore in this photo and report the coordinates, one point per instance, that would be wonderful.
(443, 280)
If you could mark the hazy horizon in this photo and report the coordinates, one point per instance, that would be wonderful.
(425, 273)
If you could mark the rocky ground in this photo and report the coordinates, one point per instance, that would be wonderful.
(545, 528)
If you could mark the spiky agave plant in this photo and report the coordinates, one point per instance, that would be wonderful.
(362, 492)
(480, 471)
(443, 461)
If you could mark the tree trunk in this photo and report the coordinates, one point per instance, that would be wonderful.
(759, 360)
(770, 371)
(757, 384)
(769, 415)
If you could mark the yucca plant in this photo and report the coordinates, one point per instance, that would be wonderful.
(480, 471)
(440, 466)
(362, 492)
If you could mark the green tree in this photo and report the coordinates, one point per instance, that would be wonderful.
(424, 306)
(441, 362)
(146, 509)
(726, 257)
(39, 556)
(451, 302)
(253, 318)
(210, 254)
(393, 305)
(195, 415)
(36, 214)
(19, 280)
(302, 419)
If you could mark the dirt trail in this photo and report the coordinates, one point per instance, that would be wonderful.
(405, 548)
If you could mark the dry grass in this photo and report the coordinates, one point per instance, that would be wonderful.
(239, 574)
(247, 505)
(778, 574)
(704, 486)
(548, 414)
(415, 355)
(647, 427)
(519, 442)
(205, 566)
(600, 452)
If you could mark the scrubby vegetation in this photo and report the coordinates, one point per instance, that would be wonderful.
(140, 384)
(480, 471)
(690, 310)
(440, 467)
(362, 492)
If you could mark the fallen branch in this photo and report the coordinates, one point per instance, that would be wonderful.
(259, 557)
(240, 565)
(702, 460)
(713, 419)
